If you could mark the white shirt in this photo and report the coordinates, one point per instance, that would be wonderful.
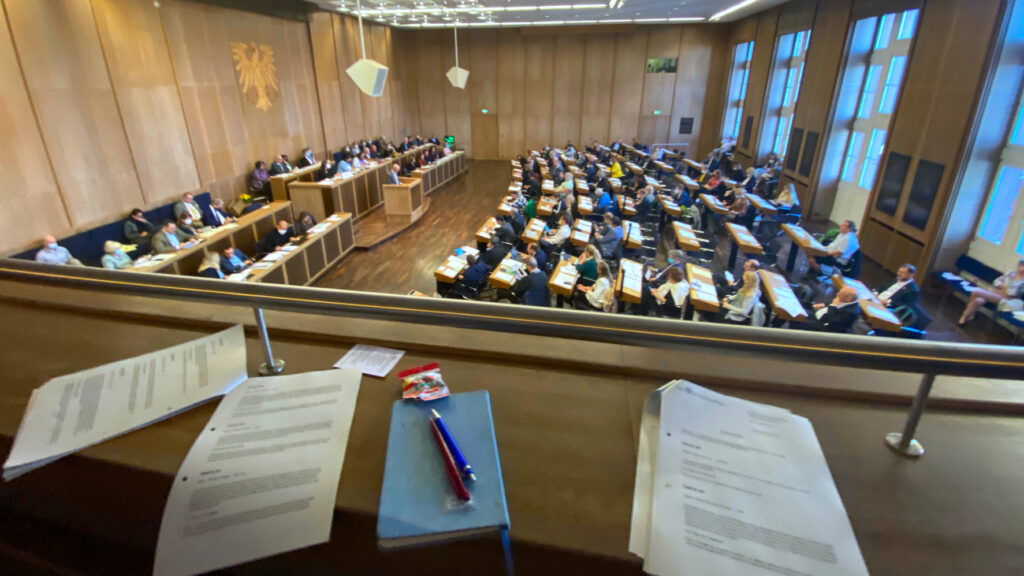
(822, 311)
(679, 291)
(891, 290)
(598, 294)
(559, 236)
(846, 244)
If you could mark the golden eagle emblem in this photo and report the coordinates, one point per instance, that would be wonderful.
(256, 70)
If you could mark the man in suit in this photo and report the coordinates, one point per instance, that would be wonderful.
(233, 261)
(393, 174)
(838, 316)
(904, 291)
(727, 288)
(279, 166)
(505, 233)
(169, 239)
(475, 273)
(531, 289)
(187, 206)
(215, 215)
(494, 253)
(608, 238)
(277, 238)
(517, 221)
(533, 251)
(405, 146)
(307, 158)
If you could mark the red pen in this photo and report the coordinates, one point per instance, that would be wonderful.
(449, 464)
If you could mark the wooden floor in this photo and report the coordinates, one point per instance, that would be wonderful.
(407, 262)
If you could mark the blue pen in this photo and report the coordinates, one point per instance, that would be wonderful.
(460, 460)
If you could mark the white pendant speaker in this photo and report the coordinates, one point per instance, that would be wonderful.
(458, 76)
(369, 75)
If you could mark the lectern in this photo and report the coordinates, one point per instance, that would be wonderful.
(404, 201)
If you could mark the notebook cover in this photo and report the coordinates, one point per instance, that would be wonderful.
(417, 503)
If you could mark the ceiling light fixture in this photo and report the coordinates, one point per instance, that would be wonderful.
(368, 75)
(732, 9)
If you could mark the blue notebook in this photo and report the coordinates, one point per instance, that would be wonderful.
(417, 504)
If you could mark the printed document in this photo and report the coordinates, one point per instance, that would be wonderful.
(75, 411)
(371, 360)
(262, 477)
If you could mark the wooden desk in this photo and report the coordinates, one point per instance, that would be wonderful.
(324, 246)
(626, 206)
(563, 279)
(703, 294)
(517, 175)
(630, 283)
(515, 188)
(875, 314)
(546, 205)
(669, 206)
(686, 239)
(404, 202)
(632, 236)
(581, 186)
(585, 205)
(506, 273)
(662, 166)
(763, 206)
(713, 203)
(686, 181)
(802, 239)
(441, 171)
(615, 183)
(694, 165)
(743, 240)
(634, 168)
(242, 234)
(547, 186)
(279, 182)
(483, 234)
(784, 302)
(581, 232)
(516, 165)
(450, 269)
(357, 192)
(533, 231)
(656, 184)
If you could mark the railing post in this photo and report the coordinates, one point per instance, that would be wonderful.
(903, 443)
(271, 366)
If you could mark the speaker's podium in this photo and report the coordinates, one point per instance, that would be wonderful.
(404, 202)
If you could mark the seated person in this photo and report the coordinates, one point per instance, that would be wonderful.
(187, 226)
(169, 239)
(259, 180)
(604, 201)
(210, 266)
(681, 196)
(53, 253)
(505, 233)
(328, 169)
(531, 289)
(586, 265)
(280, 165)
(787, 197)
(114, 256)
(307, 158)
(714, 182)
(609, 237)
(903, 291)
(600, 295)
(736, 308)
(215, 215)
(554, 239)
(567, 186)
(655, 278)
(671, 296)
(303, 224)
(724, 286)
(277, 238)
(139, 231)
(645, 202)
(837, 316)
(533, 251)
(475, 273)
(615, 171)
(840, 250)
(187, 206)
(234, 261)
(1007, 287)
(494, 253)
(517, 221)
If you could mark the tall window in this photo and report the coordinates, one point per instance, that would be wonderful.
(789, 72)
(1002, 223)
(879, 92)
(737, 89)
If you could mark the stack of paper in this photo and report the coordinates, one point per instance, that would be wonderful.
(727, 486)
(273, 256)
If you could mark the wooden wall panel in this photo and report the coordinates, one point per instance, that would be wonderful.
(627, 87)
(456, 101)
(480, 48)
(568, 89)
(371, 116)
(325, 64)
(147, 95)
(710, 135)
(30, 202)
(659, 88)
(346, 44)
(408, 92)
(539, 90)
(598, 74)
(693, 85)
(64, 69)
(429, 75)
(511, 97)
(757, 85)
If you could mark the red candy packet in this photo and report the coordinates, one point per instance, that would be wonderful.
(423, 383)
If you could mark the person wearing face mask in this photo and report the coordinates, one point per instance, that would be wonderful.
(188, 227)
(114, 257)
(277, 238)
(53, 253)
(307, 158)
(139, 231)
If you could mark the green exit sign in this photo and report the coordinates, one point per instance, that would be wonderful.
(484, 110)
(657, 112)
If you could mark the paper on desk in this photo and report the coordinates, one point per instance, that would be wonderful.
(78, 410)
(372, 360)
(741, 488)
(262, 477)
(274, 256)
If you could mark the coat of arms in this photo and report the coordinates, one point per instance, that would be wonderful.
(256, 73)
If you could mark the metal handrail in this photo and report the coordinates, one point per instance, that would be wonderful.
(852, 351)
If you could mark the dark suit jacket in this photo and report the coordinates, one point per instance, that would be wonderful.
(542, 259)
(227, 268)
(532, 289)
(211, 220)
(393, 178)
(839, 319)
(494, 256)
(303, 162)
(505, 233)
(273, 239)
(277, 168)
(210, 273)
(905, 296)
(475, 274)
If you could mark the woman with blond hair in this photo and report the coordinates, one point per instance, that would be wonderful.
(599, 296)
(114, 257)
(210, 267)
(736, 309)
